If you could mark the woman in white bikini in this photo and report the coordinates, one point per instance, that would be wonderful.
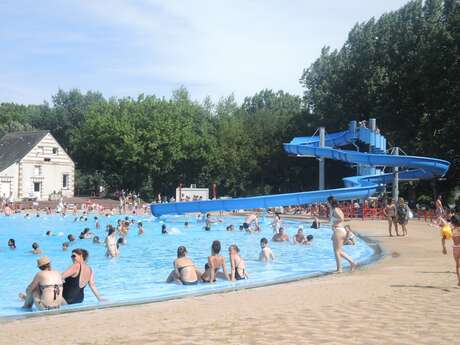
(339, 234)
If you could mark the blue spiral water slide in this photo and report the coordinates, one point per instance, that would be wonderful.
(370, 178)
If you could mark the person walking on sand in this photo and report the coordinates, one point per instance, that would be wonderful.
(402, 212)
(390, 214)
(439, 208)
(455, 235)
(339, 234)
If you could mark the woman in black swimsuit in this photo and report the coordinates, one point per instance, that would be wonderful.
(185, 271)
(237, 264)
(77, 276)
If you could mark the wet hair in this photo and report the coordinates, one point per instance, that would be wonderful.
(71, 237)
(186, 223)
(35, 245)
(181, 251)
(263, 240)
(234, 247)
(12, 243)
(310, 237)
(333, 201)
(85, 230)
(111, 230)
(120, 241)
(95, 239)
(139, 224)
(95, 218)
(48, 233)
(80, 251)
(455, 220)
(216, 247)
(280, 229)
(66, 244)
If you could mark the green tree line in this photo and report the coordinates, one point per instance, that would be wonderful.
(402, 68)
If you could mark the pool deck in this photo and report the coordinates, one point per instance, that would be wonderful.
(409, 297)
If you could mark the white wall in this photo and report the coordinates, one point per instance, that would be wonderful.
(191, 192)
(52, 171)
(10, 176)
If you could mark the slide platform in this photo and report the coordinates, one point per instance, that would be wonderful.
(369, 181)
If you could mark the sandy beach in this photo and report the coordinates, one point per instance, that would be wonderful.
(408, 297)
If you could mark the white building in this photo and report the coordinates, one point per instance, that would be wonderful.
(34, 166)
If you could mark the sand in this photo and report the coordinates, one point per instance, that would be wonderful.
(409, 297)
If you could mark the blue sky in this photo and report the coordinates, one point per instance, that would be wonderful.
(124, 48)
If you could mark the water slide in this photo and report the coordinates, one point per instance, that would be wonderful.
(370, 178)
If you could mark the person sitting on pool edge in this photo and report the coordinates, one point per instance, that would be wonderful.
(36, 248)
(266, 253)
(215, 263)
(185, 271)
(77, 276)
(280, 236)
(45, 290)
(237, 264)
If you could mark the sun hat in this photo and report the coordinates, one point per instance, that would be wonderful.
(44, 260)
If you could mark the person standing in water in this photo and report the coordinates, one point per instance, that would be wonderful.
(111, 243)
(77, 276)
(45, 290)
(266, 253)
(339, 234)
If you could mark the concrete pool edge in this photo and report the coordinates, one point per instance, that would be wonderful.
(378, 254)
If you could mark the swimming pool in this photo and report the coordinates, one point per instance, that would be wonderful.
(139, 273)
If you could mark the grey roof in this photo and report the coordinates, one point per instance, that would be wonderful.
(14, 146)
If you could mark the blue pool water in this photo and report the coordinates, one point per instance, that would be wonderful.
(139, 273)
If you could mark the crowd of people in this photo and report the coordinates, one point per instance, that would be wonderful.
(50, 288)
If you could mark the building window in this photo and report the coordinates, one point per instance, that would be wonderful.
(55, 150)
(65, 181)
(41, 150)
(47, 159)
(37, 186)
(37, 170)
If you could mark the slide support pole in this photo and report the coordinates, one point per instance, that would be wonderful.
(322, 143)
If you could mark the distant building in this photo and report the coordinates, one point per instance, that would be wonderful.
(34, 166)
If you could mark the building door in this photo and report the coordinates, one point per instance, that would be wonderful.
(37, 190)
(5, 189)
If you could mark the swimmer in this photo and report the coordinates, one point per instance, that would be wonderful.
(316, 223)
(237, 264)
(230, 227)
(65, 246)
(186, 225)
(12, 243)
(97, 224)
(280, 236)
(266, 253)
(339, 234)
(120, 242)
(276, 224)
(71, 238)
(49, 233)
(250, 220)
(111, 244)
(215, 263)
(140, 228)
(164, 230)
(299, 238)
(36, 249)
(85, 234)
(209, 222)
(185, 271)
(96, 240)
